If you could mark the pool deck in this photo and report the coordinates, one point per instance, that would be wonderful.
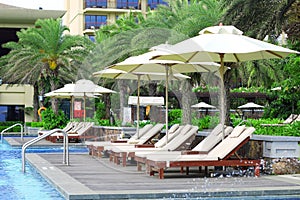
(89, 177)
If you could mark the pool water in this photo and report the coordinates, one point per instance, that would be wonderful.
(16, 185)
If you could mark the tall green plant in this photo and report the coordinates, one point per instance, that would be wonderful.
(287, 99)
(44, 55)
(52, 120)
(175, 116)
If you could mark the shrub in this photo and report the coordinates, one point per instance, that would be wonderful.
(36, 124)
(5, 125)
(286, 130)
(100, 110)
(51, 120)
(175, 116)
(104, 122)
(206, 122)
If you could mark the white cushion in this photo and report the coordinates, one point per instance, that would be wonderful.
(237, 131)
(173, 128)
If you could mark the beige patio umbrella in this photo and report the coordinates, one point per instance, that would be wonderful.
(250, 106)
(66, 95)
(203, 105)
(82, 88)
(143, 64)
(226, 45)
(139, 76)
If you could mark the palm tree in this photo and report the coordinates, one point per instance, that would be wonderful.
(186, 19)
(260, 18)
(45, 51)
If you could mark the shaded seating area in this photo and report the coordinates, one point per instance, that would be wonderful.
(178, 140)
(224, 154)
(291, 119)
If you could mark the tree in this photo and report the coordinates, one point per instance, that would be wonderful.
(173, 23)
(259, 19)
(45, 52)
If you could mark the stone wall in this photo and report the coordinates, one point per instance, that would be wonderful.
(106, 133)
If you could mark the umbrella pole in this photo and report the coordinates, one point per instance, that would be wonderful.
(167, 99)
(72, 108)
(84, 108)
(222, 95)
(138, 107)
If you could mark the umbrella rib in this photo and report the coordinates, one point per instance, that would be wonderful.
(194, 54)
(204, 67)
(132, 70)
(275, 54)
(237, 59)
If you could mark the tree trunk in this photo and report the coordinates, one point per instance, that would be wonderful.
(227, 77)
(186, 102)
(107, 102)
(54, 103)
(35, 102)
(122, 87)
(154, 111)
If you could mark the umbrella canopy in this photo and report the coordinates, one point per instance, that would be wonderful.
(142, 76)
(82, 88)
(143, 64)
(120, 74)
(221, 30)
(250, 105)
(203, 105)
(67, 95)
(223, 47)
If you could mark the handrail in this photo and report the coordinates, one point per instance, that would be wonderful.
(18, 124)
(66, 146)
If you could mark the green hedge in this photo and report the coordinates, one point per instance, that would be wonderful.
(34, 124)
(286, 130)
(5, 125)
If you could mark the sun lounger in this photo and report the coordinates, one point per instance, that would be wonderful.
(96, 148)
(101, 147)
(136, 136)
(218, 156)
(208, 143)
(75, 134)
(289, 120)
(297, 119)
(180, 139)
(68, 127)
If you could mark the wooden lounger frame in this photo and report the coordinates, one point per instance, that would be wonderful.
(160, 166)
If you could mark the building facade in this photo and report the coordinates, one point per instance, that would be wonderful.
(15, 100)
(83, 17)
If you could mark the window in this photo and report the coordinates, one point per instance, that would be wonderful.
(96, 3)
(133, 4)
(128, 4)
(11, 113)
(153, 3)
(95, 21)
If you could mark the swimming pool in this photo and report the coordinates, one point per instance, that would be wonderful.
(14, 184)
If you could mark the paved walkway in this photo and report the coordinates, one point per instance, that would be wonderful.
(88, 177)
